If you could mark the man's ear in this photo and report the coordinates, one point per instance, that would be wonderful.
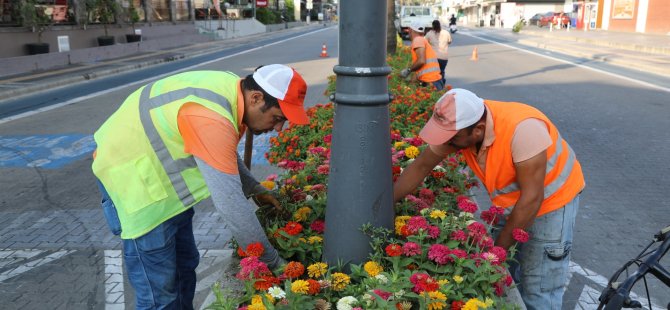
(481, 126)
(256, 97)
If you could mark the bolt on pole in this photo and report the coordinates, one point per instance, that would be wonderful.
(360, 181)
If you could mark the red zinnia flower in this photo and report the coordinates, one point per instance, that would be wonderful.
(393, 250)
(318, 226)
(520, 235)
(293, 228)
(265, 282)
(457, 305)
(255, 249)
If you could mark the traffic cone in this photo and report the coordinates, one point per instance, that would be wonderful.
(474, 57)
(324, 52)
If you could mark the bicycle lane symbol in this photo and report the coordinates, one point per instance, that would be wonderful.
(44, 151)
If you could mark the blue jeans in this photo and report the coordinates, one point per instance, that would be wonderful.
(160, 264)
(542, 269)
(443, 64)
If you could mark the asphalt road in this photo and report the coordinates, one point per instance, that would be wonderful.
(56, 253)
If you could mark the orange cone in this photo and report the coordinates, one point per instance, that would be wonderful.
(324, 52)
(474, 57)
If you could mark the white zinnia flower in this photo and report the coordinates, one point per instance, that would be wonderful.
(276, 292)
(309, 198)
(346, 302)
(382, 278)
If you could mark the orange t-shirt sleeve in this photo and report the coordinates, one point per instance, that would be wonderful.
(209, 136)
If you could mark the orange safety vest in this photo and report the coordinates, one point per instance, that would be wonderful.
(563, 179)
(430, 71)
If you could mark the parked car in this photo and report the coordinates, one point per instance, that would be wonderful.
(535, 20)
(554, 17)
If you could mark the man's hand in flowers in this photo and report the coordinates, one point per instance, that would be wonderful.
(405, 72)
(270, 206)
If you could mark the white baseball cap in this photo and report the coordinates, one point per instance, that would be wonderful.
(455, 110)
(417, 26)
(285, 84)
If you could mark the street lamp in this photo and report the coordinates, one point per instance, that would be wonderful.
(360, 181)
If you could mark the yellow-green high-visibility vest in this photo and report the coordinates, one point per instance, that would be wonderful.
(140, 156)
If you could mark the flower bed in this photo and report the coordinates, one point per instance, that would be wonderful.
(436, 257)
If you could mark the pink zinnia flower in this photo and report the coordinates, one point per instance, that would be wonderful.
(318, 226)
(252, 268)
(384, 295)
(440, 254)
(433, 232)
(417, 222)
(476, 230)
(318, 187)
(491, 258)
(520, 235)
(411, 249)
(328, 138)
(323, 169)
(271, 177)
(458, 235)
(466, 205)
(499, 252)
(427, 194)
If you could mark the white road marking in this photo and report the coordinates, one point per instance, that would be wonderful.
(602, 282)
(103, 92)
(30, 264)
(574, 64)
(114, 292)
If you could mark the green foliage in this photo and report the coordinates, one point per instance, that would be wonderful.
(517, 26)
(102, 11)
(133, 15)
(35, 17)
(267, 16)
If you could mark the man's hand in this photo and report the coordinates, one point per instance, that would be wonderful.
(270, 206)
(405, 72)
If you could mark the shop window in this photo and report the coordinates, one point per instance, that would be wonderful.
(160, 10)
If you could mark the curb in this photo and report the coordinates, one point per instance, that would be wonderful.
(618, 61)
(630, 47)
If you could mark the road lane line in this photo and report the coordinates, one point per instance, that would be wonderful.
(665, 89)
(103, 92)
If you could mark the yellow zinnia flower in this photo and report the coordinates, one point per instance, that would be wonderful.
(302, 214)
(473, 304)
(400, 222)
(317, 270)
(314, 239)
(268, 184)
(437, 300)
(256, 307)
(458, 279)
(398, 145)
(372, 268)
(300, 287)
(438, 214)
(256, 299)
(340, 281)
(307, 188)
(443, 282)
(412, 151)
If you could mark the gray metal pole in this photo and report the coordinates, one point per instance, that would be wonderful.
(359, 185)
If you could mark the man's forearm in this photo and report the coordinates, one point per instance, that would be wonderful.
(522, 216)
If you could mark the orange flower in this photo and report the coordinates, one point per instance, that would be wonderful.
(265, 282)
(314, 287)
(294, 270)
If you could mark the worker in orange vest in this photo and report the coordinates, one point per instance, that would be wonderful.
(528, 169)
(424, 59)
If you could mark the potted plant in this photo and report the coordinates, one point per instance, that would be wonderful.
(104, 11)
(36, 18)
(133, 18)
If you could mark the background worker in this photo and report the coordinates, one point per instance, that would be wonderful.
(527, 168)
(424, 59)
(439, 40)
(172, 144)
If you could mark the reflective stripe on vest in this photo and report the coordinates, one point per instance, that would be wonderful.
(429, 69)
(552, 187)
(173, 167)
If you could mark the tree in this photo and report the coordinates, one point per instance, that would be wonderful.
(391, 32)
(104, 11)
(35, 17)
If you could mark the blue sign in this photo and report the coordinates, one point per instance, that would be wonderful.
(44, 151)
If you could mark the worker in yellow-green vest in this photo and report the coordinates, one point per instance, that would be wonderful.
(173, 143)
